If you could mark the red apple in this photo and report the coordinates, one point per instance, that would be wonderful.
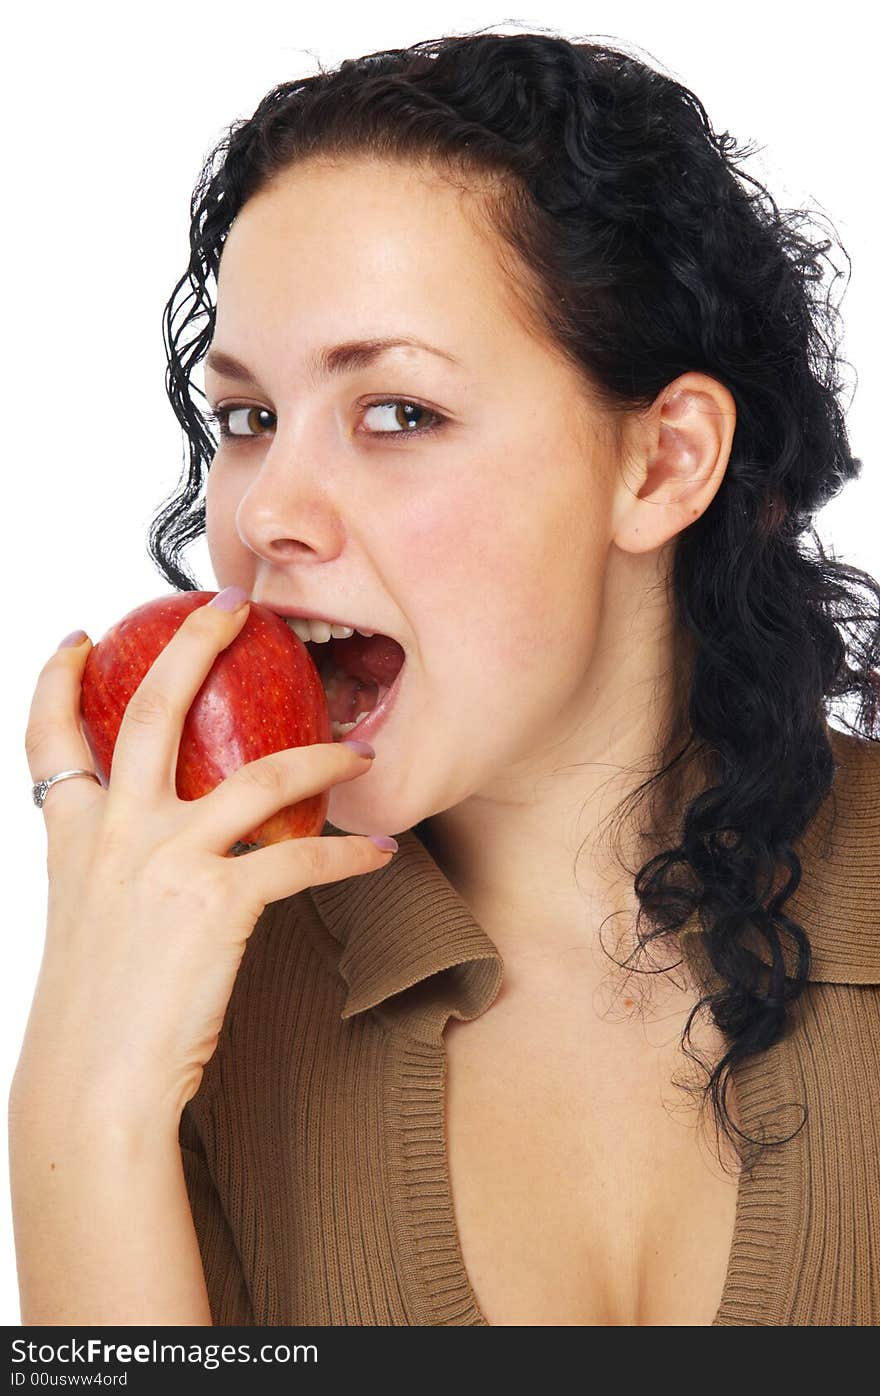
(263, 694)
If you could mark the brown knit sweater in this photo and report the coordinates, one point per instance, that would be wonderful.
(314, 1150)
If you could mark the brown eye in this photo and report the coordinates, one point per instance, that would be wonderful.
(403, 418)
(242, 422)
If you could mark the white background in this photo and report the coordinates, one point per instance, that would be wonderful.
(107, 114)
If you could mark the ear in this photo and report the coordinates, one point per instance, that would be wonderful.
(676, 456)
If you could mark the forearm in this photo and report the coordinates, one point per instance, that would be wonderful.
(103, 1228)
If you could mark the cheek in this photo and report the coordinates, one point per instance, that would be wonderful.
(229, 557)
(529, 559)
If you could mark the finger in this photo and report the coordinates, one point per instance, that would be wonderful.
(260, 788)
(148, 740)
(54, 739)
(283, 869)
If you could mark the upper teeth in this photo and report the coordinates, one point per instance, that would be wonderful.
(320, 631)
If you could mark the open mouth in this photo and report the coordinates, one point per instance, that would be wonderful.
(357, 672)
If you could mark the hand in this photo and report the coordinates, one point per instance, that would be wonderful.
(148, 914)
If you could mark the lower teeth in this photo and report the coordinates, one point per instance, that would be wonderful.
(341, 728)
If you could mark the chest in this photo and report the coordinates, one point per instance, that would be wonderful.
(585, 1191)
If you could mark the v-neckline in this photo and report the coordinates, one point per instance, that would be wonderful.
(437, 1281)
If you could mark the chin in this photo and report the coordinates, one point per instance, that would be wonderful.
(354, 813)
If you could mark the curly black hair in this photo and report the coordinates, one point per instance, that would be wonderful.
(639, 244)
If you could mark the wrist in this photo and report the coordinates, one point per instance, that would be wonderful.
(50, 1104)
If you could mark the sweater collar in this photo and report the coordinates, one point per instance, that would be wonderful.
(402, 924)
(405, 923)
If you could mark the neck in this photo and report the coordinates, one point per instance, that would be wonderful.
(535, 857)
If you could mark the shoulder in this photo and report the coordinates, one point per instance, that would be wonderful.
(858, 759)
(838, 899)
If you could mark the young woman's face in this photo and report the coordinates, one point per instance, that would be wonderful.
(479, 542)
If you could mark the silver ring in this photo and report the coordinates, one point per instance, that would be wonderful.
(39, 790)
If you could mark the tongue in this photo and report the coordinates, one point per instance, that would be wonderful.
(358, 672)
(377, 659)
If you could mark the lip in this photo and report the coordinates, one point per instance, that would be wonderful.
(377, 716)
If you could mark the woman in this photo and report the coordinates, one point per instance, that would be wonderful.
(536, 262)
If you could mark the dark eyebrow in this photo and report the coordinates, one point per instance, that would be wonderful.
(331, 361)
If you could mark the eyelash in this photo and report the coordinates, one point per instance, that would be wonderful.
(220, 419)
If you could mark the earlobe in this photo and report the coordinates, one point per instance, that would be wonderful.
(684, 447)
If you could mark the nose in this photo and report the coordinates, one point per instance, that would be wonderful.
(286, 514)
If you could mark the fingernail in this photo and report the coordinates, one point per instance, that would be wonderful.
(75, 637)
(384, 841)
(229, 599)
(362, 748)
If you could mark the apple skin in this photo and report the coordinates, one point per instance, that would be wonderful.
(263, 694)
